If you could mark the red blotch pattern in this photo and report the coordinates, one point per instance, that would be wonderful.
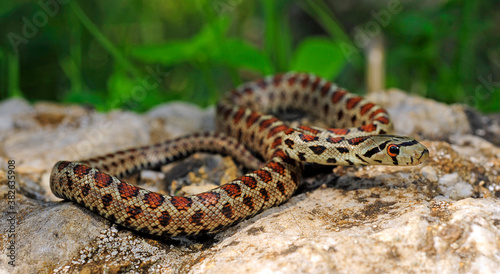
(277, 79)
(276, 142)
(305, 81)
(368, 128)
(337, 96)
(277, 167)
(276, 130)
(292, 80)
(127, 191)
(153, 199)
(315, 83)
(233, 190)
(339, 131)
(254, 116)
(264, 175)
(266, 123)
(376, 112)
(325, 88)
(81, 170)
(335, 140)
(366, 107)
(238, 115)
(62, 165)
(383, 120)
(308, 138)
(249, 181)
(311, 130)
(181, 203)
(353, 102)
(357, 140)
(102, 179)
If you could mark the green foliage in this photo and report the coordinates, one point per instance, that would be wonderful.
(320, 56)
(440, 53)
(206, 47)
(139, 54)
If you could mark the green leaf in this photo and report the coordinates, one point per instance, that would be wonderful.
(9, 8)
(204, 44)
(92, 98)
(320, 56)
(167, 54)
(240, 54)
(121, 89)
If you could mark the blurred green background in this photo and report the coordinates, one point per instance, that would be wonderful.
(137, 54)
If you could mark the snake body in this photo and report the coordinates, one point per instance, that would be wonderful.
(358, 139)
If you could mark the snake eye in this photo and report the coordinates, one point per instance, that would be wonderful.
(393, 150)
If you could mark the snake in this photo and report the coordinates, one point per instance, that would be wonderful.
(249, 131)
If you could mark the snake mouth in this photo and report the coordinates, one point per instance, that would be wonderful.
(424, 155)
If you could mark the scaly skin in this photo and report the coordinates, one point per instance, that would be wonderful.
(359, 139)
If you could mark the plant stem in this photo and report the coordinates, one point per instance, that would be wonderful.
(103, 40)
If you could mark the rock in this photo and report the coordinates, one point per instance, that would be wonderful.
(429, 173)
(181, 118)
(454, 187)
(11, 108)
(418, 116)
(486, 126)
(441, 216)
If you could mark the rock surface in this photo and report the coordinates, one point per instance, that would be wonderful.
(441, 216)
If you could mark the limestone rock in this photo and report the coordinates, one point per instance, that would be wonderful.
(413, 115)
(442, 216)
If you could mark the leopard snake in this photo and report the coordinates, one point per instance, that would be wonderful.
(358, 139)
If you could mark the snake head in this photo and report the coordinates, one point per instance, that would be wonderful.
(325, 148)
(394, 150)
